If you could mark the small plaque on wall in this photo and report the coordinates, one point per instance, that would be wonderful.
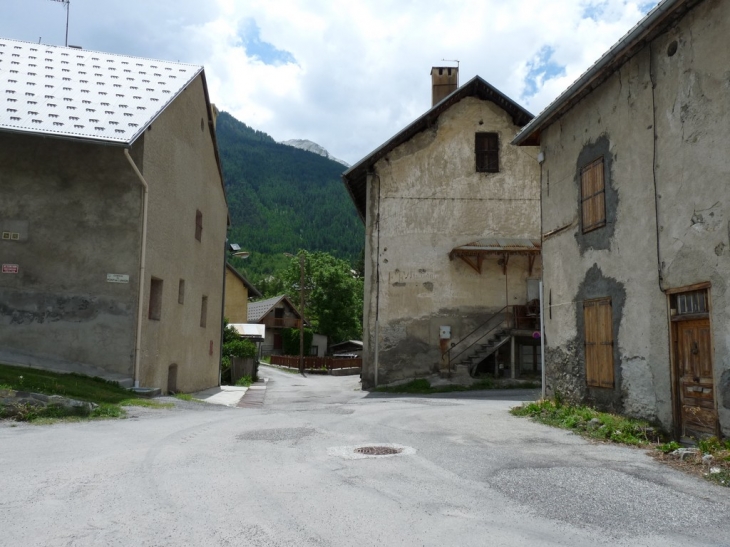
(117, 278)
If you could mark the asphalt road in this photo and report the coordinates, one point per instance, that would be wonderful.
(286, 474)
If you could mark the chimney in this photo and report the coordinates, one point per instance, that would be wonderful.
(444, 81)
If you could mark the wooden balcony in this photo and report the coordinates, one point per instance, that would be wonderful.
(281, 322)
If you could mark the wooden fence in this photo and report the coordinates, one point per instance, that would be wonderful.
(313, 363)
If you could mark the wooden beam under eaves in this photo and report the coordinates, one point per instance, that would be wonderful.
(476, 267)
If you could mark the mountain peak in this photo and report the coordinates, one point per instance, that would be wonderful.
(313, 147)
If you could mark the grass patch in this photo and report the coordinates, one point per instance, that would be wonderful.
(186, 397)
(710, 460)
(424, 387)
(604, 426)
(110, 396)
(244, 381)
(74, 386)
(148, 403)
(591, 423)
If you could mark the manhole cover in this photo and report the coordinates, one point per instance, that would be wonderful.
(378, 450)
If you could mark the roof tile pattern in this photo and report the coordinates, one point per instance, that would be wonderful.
(74, 93)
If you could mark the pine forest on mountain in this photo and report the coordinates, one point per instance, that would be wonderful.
(282, 199)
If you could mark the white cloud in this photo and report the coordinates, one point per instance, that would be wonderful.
(361, 69)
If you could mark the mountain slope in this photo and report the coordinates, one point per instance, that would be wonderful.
(310, 146)
(282, 199)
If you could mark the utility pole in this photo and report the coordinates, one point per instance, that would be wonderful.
(301, 312)
(301, 309)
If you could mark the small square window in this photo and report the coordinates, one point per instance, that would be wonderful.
(155, 311)
(486, 147)
(181, 292)
(198, 225)
(204, 312)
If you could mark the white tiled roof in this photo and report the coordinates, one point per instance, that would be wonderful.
(75, 93)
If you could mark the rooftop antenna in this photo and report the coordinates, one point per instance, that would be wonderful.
(448, 61)
(67, 5)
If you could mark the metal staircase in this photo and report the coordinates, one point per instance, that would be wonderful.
(479, 344)
(479, 352)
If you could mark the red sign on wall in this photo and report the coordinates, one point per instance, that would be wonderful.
(10, 268)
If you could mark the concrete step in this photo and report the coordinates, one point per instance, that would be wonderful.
(146, 392)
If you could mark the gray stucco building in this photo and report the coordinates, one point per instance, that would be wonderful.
(113, 217)
(452, 224)
(635, 223)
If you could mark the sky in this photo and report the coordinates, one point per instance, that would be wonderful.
(347, 75)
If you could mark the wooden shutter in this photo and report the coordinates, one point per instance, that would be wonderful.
(486, 146)
(598, 316)
(593, 196)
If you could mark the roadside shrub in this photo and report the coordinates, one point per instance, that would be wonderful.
(244, 381)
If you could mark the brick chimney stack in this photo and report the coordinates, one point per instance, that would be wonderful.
(444, 81)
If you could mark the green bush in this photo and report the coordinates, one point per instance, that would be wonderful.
(240, 348)
(244, 381)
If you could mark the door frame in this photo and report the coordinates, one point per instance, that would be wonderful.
(674, 349)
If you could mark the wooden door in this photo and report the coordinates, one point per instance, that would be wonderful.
(697, 413)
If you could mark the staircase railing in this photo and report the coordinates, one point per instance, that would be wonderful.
(509, 317)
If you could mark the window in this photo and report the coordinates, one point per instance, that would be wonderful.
(593, 196)
(598, 316)
(487, 152)
(155, 311)
(198, 225)
(204, 312)
(689, 303)
(181, 292)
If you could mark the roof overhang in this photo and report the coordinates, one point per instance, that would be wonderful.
(251, 331)
(665, 14)
(474, 253)
(355, 178)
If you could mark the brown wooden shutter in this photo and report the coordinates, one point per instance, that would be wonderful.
(598, 316)
(486, 147)
(593, 196)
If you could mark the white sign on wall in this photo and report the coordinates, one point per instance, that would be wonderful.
(117, 278)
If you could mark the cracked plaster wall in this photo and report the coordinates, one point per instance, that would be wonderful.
(423, 200)
(692, 176)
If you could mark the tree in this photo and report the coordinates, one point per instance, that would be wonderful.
(290, 341)
(333, 295)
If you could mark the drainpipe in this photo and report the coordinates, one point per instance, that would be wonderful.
(542, 341)
(143, 254)
(223, 308)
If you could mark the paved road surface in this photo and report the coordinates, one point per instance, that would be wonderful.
(285, 474)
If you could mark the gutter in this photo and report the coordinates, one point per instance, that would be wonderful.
(587, 78)
(143, 254)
